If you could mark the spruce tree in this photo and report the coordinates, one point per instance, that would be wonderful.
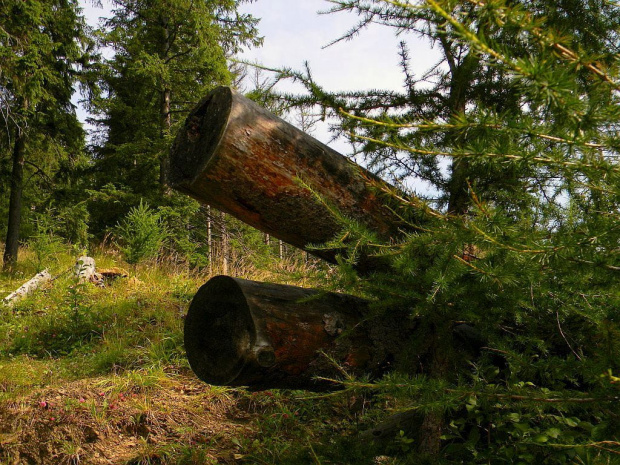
(167, 55)
(41, 53)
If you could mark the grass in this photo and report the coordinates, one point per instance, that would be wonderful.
(98, 375)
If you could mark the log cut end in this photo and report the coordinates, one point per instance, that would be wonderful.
(198, 140)
(219, 331)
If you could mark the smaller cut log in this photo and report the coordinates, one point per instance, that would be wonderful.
(261, 335)
(84, 268)
(37, 281)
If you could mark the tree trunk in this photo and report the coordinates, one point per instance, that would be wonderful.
(442, 366)
(165, 114)
(166, 122)
(245, 161)
(210, 239)
(15, 202)
(246, 333)
(84, 268)
(224, 243)
(458, 187)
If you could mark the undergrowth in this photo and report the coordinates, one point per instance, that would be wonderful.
(86, 368)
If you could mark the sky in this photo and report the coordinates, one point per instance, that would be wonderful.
(294, 32)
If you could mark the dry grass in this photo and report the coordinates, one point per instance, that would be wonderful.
(111, 420)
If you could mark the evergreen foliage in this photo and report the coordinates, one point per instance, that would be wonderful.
(42, 50)
(505, 155)
(167, 56)
(513, 136)
(141, 234)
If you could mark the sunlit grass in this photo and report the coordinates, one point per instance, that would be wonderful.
(120, 347)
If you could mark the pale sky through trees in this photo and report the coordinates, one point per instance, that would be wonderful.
(294, 33)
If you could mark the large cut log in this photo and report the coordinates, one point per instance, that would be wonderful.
(246, 333)
(236, 156)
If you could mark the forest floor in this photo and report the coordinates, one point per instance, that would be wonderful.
(97, 375)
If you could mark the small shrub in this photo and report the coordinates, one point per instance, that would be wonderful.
(140, 234)
(45, 244)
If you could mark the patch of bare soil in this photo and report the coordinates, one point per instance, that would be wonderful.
(111, 421)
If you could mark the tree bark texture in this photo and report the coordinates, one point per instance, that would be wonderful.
(33, 284)
(241, 159)
(84, 268)
(261, 335)
(15, 202)
(165, 108)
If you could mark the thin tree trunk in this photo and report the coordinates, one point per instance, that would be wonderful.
(433, 424)
(165, 115)
(210, 239)
(461, 81)
(15, 202)
(164, 162)
(224, 239)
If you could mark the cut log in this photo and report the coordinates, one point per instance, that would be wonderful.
(236, 156)
(37, 281)
(246, 333)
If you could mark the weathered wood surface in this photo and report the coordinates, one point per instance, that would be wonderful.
(33, 284)
(236, 156)
(246, 333)
(84, 268)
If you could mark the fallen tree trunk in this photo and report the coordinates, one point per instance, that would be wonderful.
(236, 156)
(37, 281)
(246, 333)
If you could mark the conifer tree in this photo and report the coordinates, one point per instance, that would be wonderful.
(167, 55)
(41, 51)
(510, 258)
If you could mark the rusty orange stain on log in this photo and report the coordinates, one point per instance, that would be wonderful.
(357, 358)
(295, 350)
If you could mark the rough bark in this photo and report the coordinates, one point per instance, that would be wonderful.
(246, 333)
(84, 268)
(243, 160)
(15, 203)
